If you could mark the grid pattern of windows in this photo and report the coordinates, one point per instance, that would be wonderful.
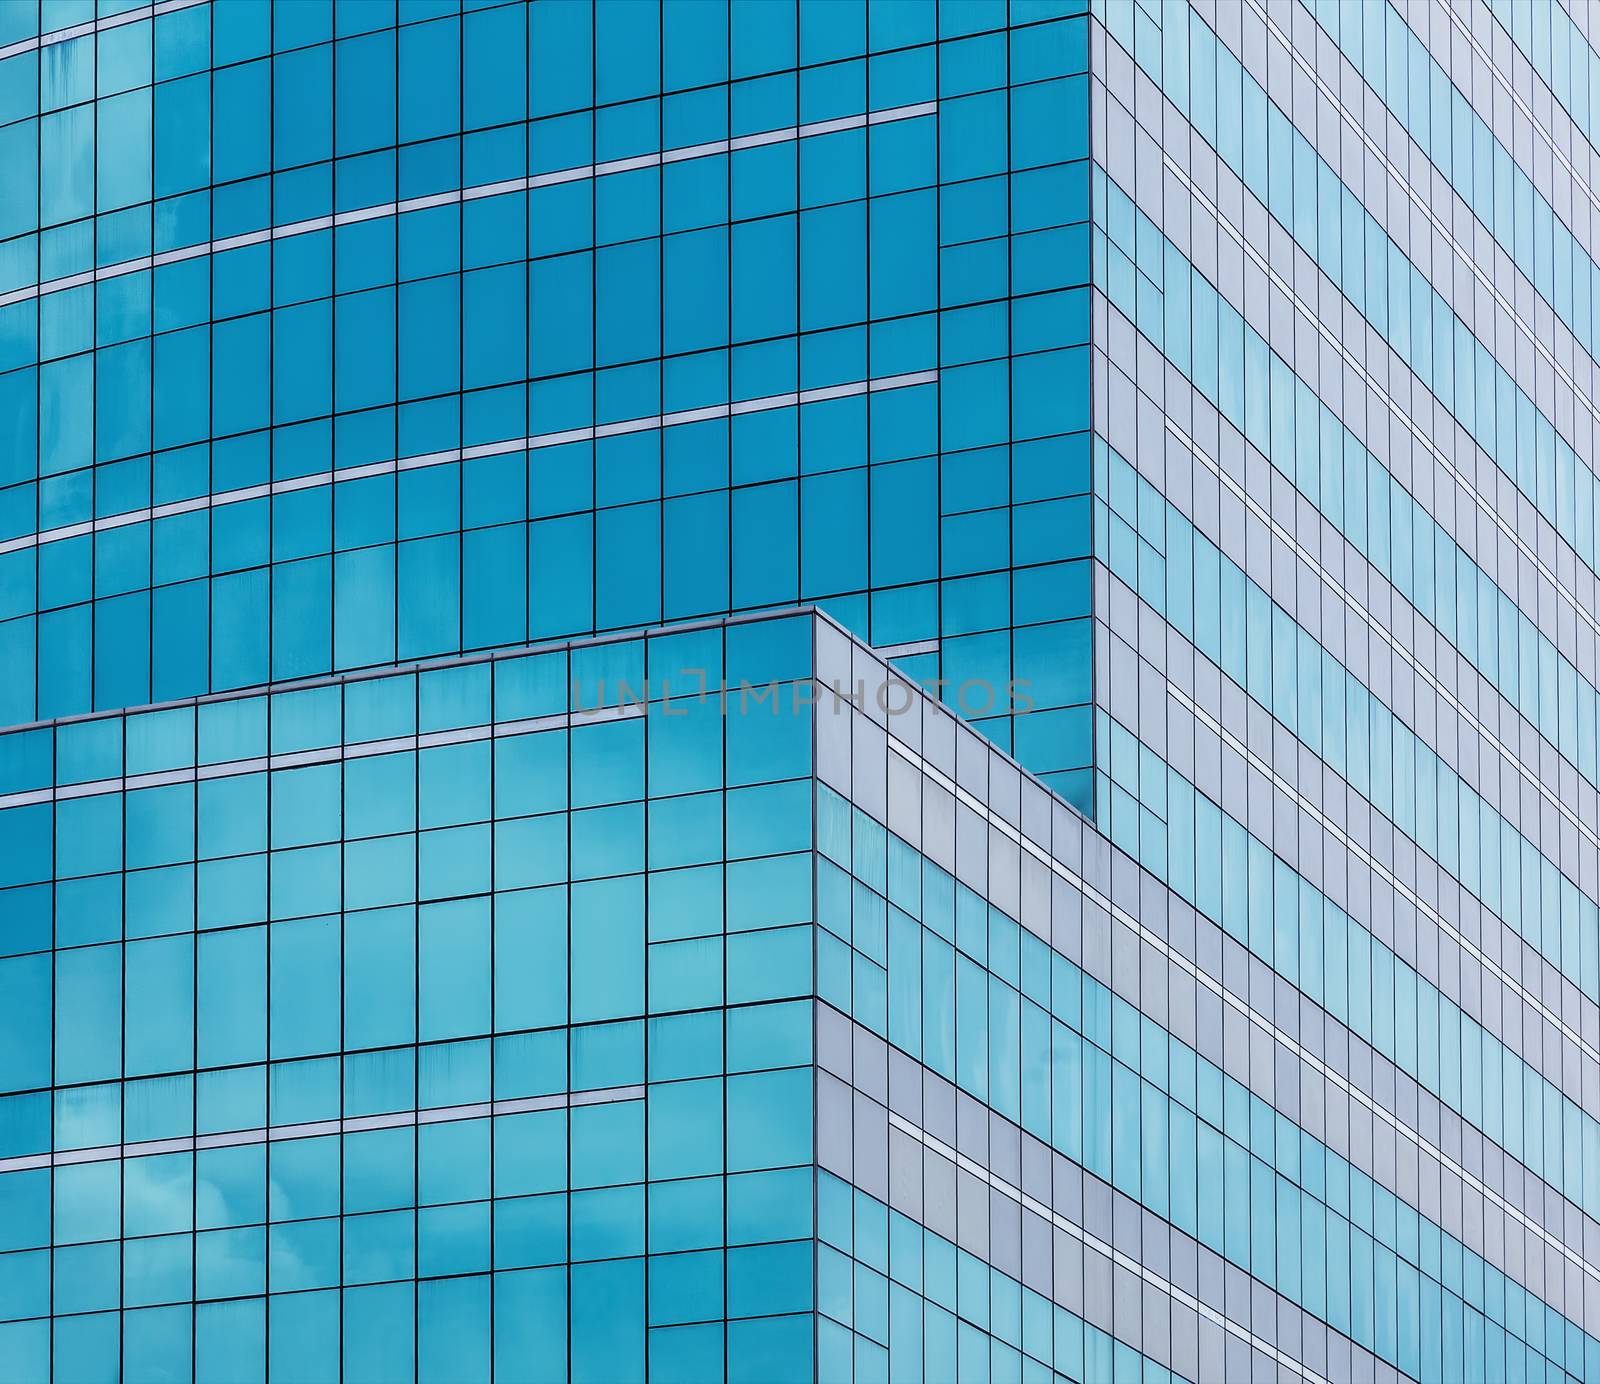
(1082, 1081)
(336, 334)
(1192, 399)
(418, 1022)
(953, 981)
(1345, 515)
(894, 1295)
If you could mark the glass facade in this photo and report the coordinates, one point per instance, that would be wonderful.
(799, 689)
(416, 1025)
(339, 334)
(1346, 706)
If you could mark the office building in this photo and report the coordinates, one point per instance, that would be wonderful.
(777, 691)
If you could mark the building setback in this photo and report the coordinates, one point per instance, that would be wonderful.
(799, 690)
